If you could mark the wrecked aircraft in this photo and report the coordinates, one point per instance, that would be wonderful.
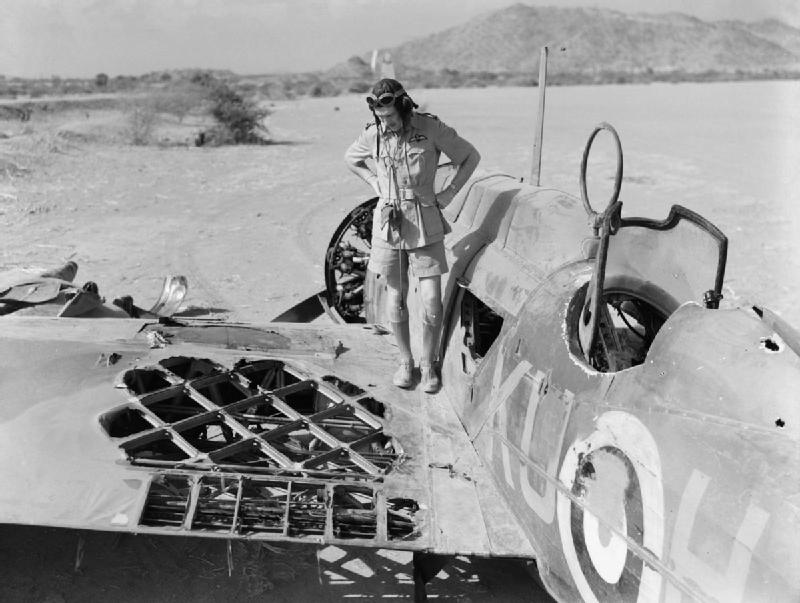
(599, 412)
(644, 439)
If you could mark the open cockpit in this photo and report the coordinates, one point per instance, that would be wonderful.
(649, 269)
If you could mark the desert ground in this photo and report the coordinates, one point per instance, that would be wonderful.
(248, 226)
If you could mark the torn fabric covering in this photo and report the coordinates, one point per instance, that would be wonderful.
(84, 446)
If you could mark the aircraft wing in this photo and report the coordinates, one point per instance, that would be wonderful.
(283, 432)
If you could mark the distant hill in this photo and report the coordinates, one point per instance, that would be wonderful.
(601, 45)
(775, 31)
(502, 48)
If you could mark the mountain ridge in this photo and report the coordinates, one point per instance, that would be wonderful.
(602, 45)
(502, 48)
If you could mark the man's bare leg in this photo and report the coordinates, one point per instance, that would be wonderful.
(430, 290)
(396, 296)
(403, 338)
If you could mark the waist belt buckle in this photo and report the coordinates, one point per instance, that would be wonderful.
(407, 194)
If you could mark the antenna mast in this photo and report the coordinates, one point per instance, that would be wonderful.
(536, 168)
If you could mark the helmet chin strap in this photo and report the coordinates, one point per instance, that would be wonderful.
(378, 126)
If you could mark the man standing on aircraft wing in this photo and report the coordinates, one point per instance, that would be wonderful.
(408, 227)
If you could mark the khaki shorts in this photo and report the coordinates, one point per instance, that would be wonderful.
(425, 261)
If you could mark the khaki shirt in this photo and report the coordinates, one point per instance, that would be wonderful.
(406, 169)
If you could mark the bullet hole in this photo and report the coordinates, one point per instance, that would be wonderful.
(769, 344)
(758, 311)
(109, 360)
(587, 470)
(373, 406)
(347, 388)
(145, 381)
(780, 422)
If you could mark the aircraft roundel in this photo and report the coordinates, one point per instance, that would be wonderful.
(613, 512)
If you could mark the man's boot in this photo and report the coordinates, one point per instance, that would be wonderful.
(404, 375)
(429, 378)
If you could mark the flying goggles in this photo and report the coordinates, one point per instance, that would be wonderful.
(385, 99)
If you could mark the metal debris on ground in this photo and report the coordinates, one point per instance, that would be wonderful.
(156, 340)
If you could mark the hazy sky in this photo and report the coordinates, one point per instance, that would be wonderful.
(39, 38)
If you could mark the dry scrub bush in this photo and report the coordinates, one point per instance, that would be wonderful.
(145, 113)
(241, 118)
(142, 116)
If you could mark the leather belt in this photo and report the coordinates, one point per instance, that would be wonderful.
(407, 194)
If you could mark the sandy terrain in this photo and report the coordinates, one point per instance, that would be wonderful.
(235, 221)
(248, 226)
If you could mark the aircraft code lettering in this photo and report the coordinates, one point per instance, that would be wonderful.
(501, 390)
(729, 586)
(543, 504)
